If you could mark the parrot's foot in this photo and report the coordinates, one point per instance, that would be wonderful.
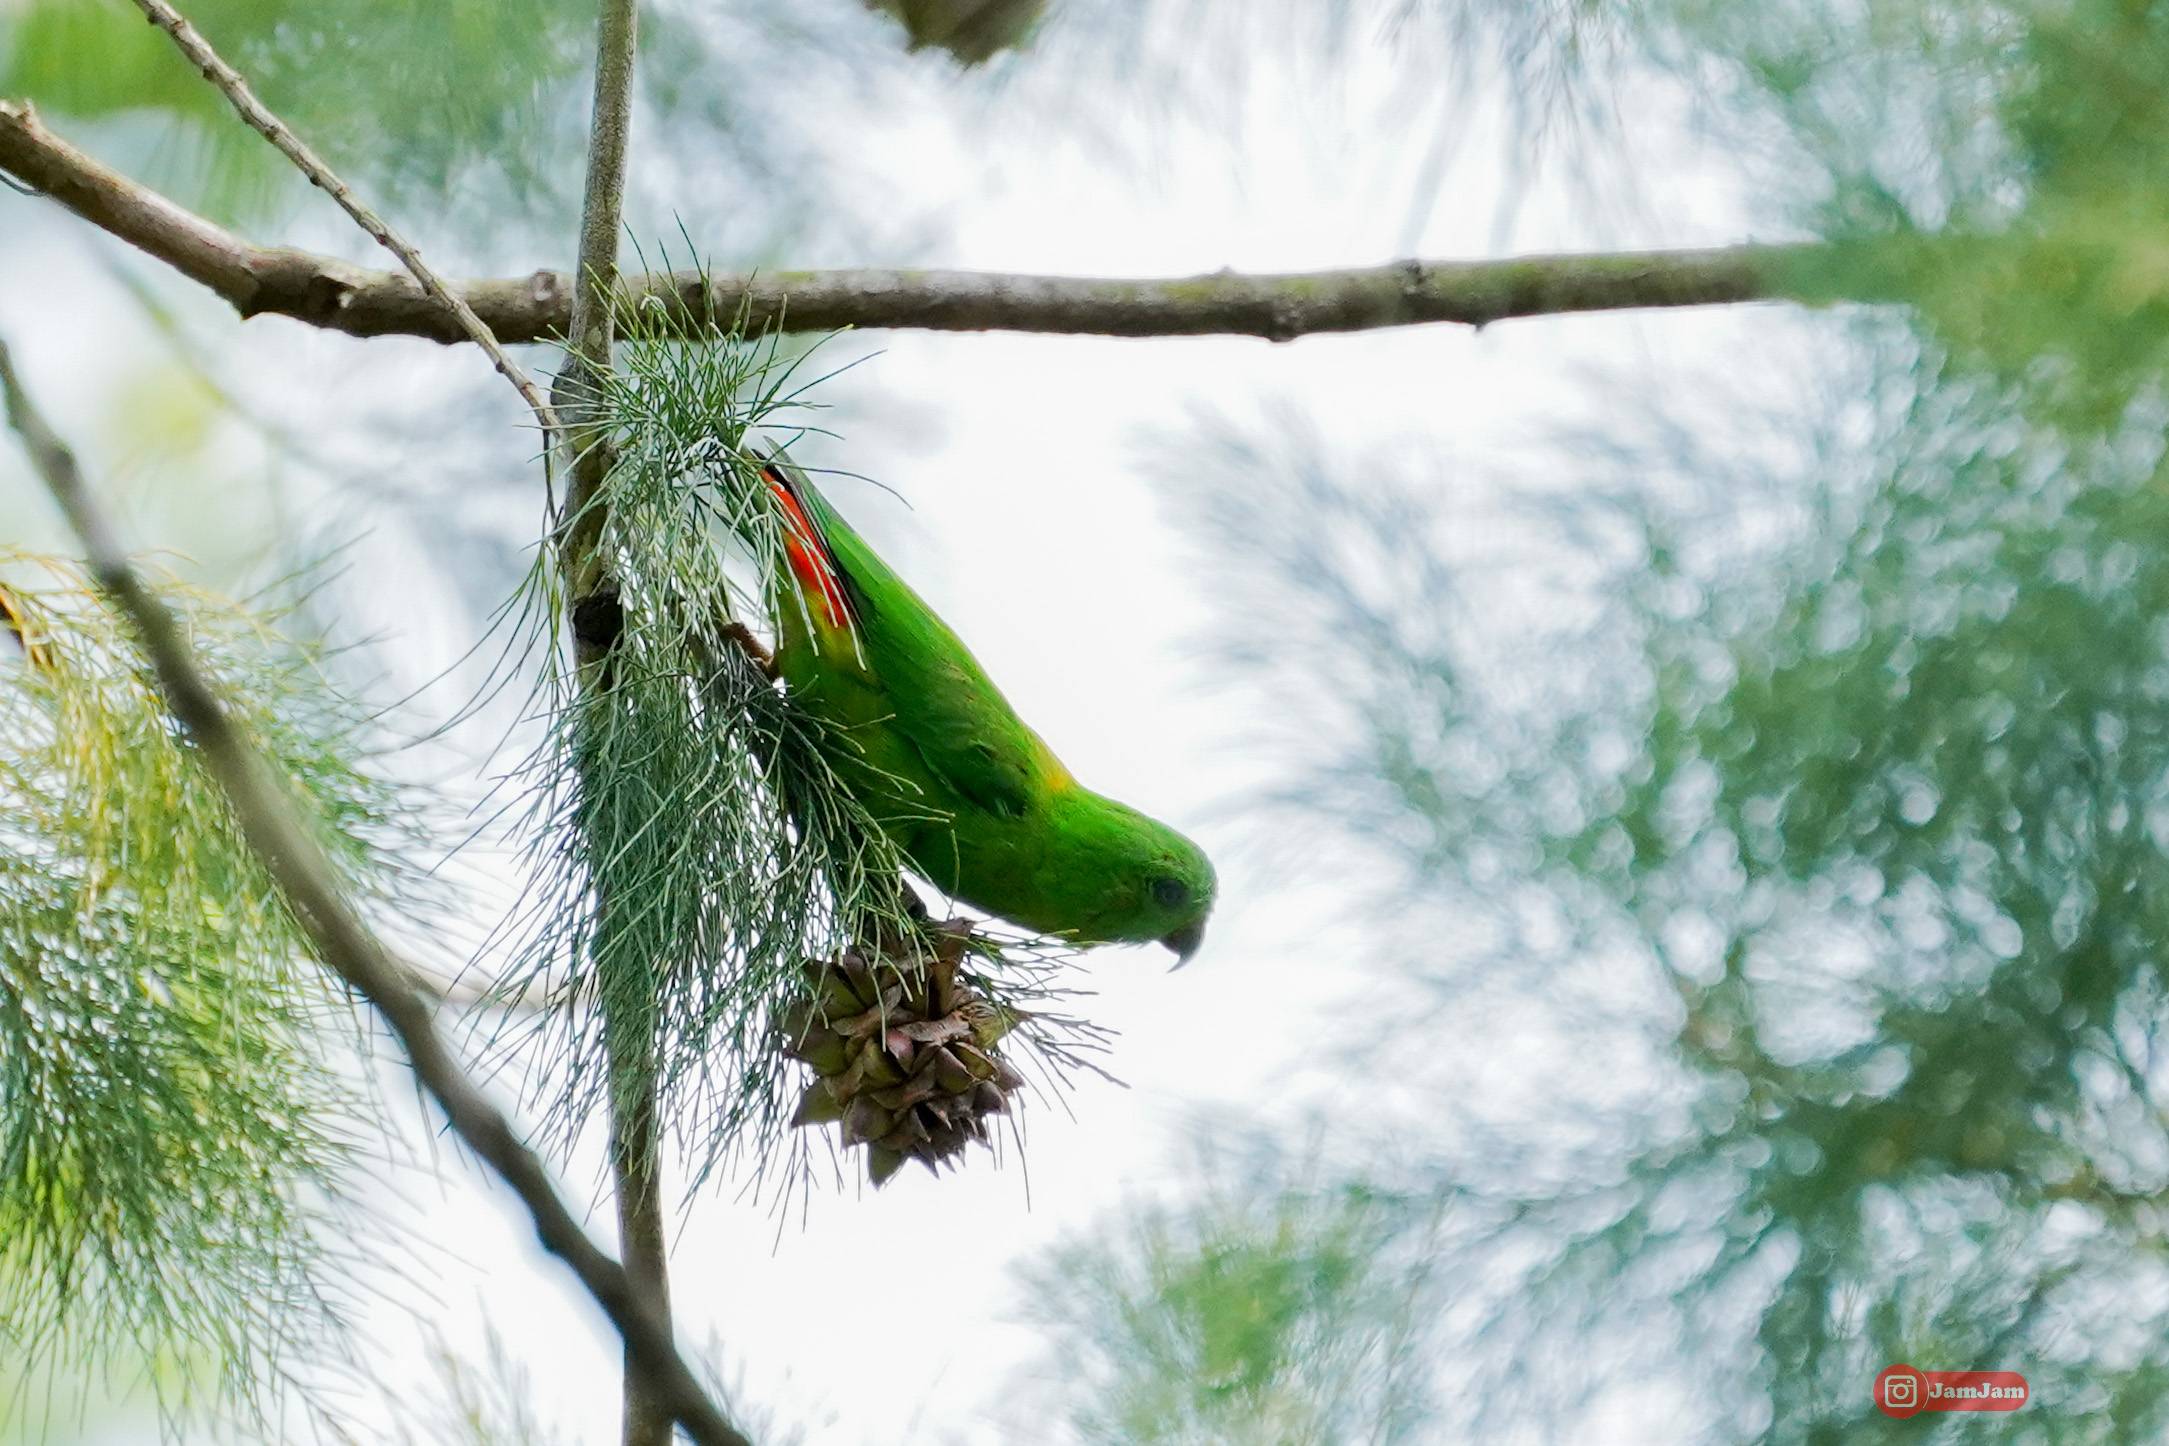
(742, 636)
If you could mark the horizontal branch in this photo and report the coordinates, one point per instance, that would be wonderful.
(324, 291)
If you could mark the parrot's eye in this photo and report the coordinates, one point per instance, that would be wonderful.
(1170, 893)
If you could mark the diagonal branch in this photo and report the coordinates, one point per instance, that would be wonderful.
(334, 294)
(271, 128)
(297, 863)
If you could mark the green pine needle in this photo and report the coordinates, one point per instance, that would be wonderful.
(172, 1125)
(691, 845)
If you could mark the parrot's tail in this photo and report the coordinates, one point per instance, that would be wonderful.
(805, 546)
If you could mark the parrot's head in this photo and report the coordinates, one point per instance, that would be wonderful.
(1151, 884)
(1179, 884)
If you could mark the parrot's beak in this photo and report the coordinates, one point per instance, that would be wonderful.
(1185, 941)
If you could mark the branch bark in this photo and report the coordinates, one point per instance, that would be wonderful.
(305, 878)
(339, 296)
(627, 1003)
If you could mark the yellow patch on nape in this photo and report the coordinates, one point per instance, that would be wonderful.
(1052, 770)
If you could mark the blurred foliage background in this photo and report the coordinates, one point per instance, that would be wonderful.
(1743, 807)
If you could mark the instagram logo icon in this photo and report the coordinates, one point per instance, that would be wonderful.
(1901, 1391)
(1898, 1391)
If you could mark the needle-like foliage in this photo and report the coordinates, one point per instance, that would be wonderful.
(1783, 779)
(692, 846)
(1271, 1310)
(173, 1120)
(1806, 829)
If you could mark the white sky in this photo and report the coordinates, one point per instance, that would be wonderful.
(1036, 533)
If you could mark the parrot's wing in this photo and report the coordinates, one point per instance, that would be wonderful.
(951, 714)
(943, 704)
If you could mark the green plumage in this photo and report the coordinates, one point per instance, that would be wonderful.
(974, 798)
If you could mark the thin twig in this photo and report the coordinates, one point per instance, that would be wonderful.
(326, 292)
(298, 865)
(271, 128)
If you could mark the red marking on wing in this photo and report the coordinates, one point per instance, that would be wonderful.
(807, 554)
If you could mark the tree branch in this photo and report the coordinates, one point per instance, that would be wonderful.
(339, 296)
(305, 878)
(628, 1004)
(593, 320)
(271, 128)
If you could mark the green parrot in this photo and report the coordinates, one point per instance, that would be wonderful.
(975, 799)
